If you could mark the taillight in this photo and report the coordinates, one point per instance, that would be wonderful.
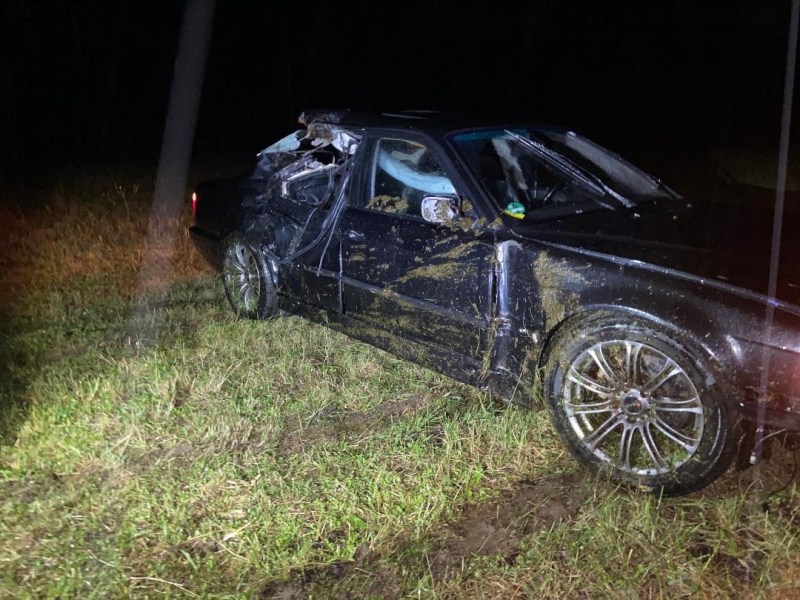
(194, 204)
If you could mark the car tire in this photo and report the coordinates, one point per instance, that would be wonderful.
(634, 402)
(247, 279)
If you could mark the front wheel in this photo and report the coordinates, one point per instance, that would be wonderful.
(632, 401)
(247, 280)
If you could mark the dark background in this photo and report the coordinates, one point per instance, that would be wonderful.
(86, 83)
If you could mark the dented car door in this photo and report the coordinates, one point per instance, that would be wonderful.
(420, 280)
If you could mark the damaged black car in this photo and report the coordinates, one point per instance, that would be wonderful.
(531, 262)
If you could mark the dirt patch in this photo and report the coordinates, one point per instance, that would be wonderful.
(389, 204)
(326, 427)
(361, 578)
(333, 424)
(745, 567)
(499, 527)
(398, 409)
(26, 492)
(492, 528)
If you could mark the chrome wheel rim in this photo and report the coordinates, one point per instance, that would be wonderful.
(633, 407)
(242, 278)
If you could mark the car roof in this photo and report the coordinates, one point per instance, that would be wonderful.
(427, 121)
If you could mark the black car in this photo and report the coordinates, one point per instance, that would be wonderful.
(528, 261)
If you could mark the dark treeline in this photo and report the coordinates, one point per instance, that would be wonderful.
(89, 80)
(84, 79)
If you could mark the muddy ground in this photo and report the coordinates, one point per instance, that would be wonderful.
(491, 529)
(494, 530)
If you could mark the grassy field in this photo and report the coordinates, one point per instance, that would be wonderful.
(154, 446)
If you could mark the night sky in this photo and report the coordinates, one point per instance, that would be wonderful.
(86, 83)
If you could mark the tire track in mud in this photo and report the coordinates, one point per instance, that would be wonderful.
(499, 527)
(331, 424)
(494, 528)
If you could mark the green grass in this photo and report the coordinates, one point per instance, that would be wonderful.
(154, 446)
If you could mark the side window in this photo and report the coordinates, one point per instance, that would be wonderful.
(403, 173)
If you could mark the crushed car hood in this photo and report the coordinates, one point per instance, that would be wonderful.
(729, 244)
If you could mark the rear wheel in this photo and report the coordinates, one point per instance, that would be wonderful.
(247, 280)
(632, 401)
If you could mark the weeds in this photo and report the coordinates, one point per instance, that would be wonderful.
(223, 458)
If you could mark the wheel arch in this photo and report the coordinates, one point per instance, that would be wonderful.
(713, 350)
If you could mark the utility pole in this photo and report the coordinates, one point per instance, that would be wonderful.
(176, 154)
(777, 226)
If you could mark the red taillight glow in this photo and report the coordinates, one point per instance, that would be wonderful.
(194, 204)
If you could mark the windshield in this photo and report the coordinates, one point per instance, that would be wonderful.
(614, 171)
(539, 174)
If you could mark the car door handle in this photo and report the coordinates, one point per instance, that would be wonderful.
(356, 236)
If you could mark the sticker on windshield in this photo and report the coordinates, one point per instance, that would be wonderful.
(516, 210)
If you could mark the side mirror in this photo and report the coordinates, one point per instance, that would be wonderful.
(439, 209)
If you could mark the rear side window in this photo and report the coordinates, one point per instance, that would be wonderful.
(403, 173)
